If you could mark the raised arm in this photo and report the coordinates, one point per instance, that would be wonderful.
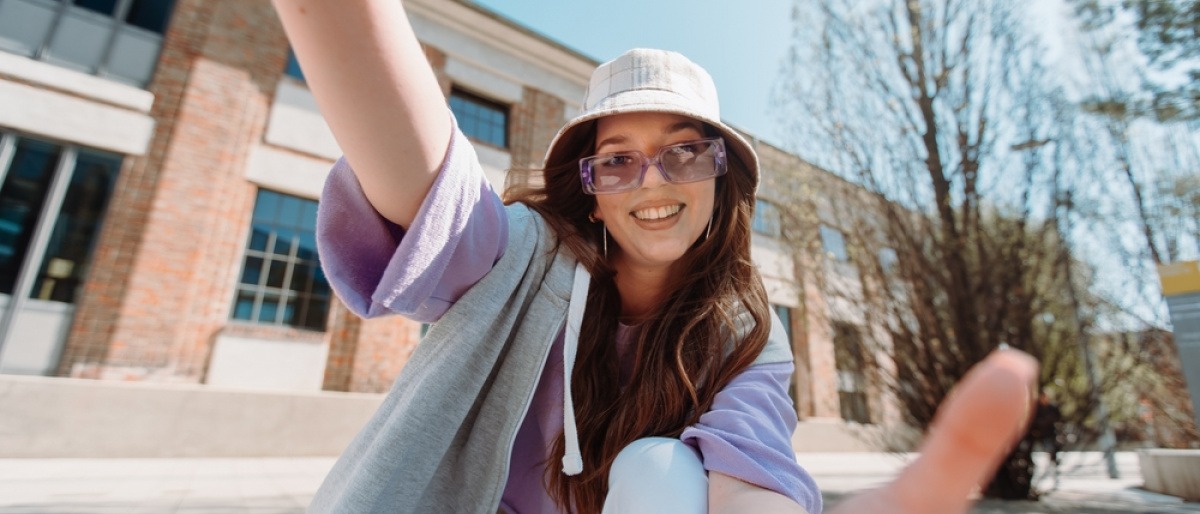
(377, 92)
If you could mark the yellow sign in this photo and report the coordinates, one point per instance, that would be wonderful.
(1180, 278)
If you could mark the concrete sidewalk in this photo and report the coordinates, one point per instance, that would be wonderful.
(286, 485)
(1083, 485)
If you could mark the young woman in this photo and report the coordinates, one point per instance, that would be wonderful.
(602, 342)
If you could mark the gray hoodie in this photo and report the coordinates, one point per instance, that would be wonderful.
(441, 441)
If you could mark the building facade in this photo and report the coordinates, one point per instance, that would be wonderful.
(161, 163)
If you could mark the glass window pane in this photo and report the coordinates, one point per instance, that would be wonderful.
(266, 208)
(258, 238)
(785, 316)
(283, 242)
(834, 243)
(290, 210)
(308, 247)
(151, 15)
(888, 259)
(293, 67)
(480, 119)
(309, 218)
(24, 25)
(315, 315)
(766, 219)
(80, 40)
(320, 285)
(276, 271)
(289, 312)
(68, 253)
(280, 222)
(100, 6)
(269, 308)
(252, 270)
(301, 278)
(133, 56)
(21, 198)
(243, 306)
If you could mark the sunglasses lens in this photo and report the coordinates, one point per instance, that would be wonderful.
(692, 161)
(615, 172)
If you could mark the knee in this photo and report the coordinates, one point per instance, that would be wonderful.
(656, 473)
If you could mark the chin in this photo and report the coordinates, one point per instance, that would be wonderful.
(665, 256)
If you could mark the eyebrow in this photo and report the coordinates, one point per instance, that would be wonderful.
(674, 128)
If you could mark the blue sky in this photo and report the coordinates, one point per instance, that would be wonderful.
(741, 44)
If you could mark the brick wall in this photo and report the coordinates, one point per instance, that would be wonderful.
(168, 257)
(162, 282)
(795, 185)
(343, 328)
(533, 123)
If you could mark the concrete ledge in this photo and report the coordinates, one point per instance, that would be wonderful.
(1173, 472)
(63, 417)
(823, 435)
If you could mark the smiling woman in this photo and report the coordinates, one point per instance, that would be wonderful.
(563, 372)
(658, 220)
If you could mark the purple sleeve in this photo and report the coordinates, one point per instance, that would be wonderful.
(378, 268)
(748, 434)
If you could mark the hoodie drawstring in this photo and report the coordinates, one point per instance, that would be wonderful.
(572, 459)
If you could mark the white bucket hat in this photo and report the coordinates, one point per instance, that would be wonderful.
(647, 80)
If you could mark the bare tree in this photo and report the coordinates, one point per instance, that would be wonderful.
(969, 162)
(1163, 34)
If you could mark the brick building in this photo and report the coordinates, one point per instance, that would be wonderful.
(161, 161)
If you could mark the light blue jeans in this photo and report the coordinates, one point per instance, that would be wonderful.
(654, 475)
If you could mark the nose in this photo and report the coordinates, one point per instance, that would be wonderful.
(655, 176)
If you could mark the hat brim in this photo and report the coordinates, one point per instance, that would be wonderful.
(570, 135)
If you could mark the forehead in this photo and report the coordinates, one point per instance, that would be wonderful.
(643, 126)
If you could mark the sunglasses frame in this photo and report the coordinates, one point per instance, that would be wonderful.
(586, 175)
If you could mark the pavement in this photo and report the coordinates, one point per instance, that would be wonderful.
(286, 485)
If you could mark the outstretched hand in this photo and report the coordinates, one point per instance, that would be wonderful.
(977, 425)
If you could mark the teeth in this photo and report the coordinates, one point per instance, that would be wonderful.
(657, 213)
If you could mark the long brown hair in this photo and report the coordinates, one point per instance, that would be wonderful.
(681, 356)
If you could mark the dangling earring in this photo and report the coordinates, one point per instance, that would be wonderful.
(604, 226)
(709, 230)
(606, 242)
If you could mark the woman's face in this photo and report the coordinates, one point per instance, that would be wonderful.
(656, 223)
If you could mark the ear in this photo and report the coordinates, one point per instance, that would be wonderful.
(596, 215)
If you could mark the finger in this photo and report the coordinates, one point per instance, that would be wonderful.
(977, 425)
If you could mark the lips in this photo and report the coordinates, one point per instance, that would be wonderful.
(657, 213)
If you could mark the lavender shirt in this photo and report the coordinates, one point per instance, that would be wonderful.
(459, 233)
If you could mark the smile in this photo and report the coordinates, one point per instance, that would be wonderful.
(657, 213)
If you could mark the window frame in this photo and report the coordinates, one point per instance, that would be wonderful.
(826, 232)
(35, 270)
(113, 26)
(292, 67)
(768, 219)
(467, 124)
(852, 384)
(260, 292)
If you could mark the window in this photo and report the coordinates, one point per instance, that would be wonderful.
(52, 202)
(785, 316)
(282, 282)
(119, 39)
(888, 259)
(480, 119)
(850, 359)
(293, 67)
(768, 220)
(834, 243)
